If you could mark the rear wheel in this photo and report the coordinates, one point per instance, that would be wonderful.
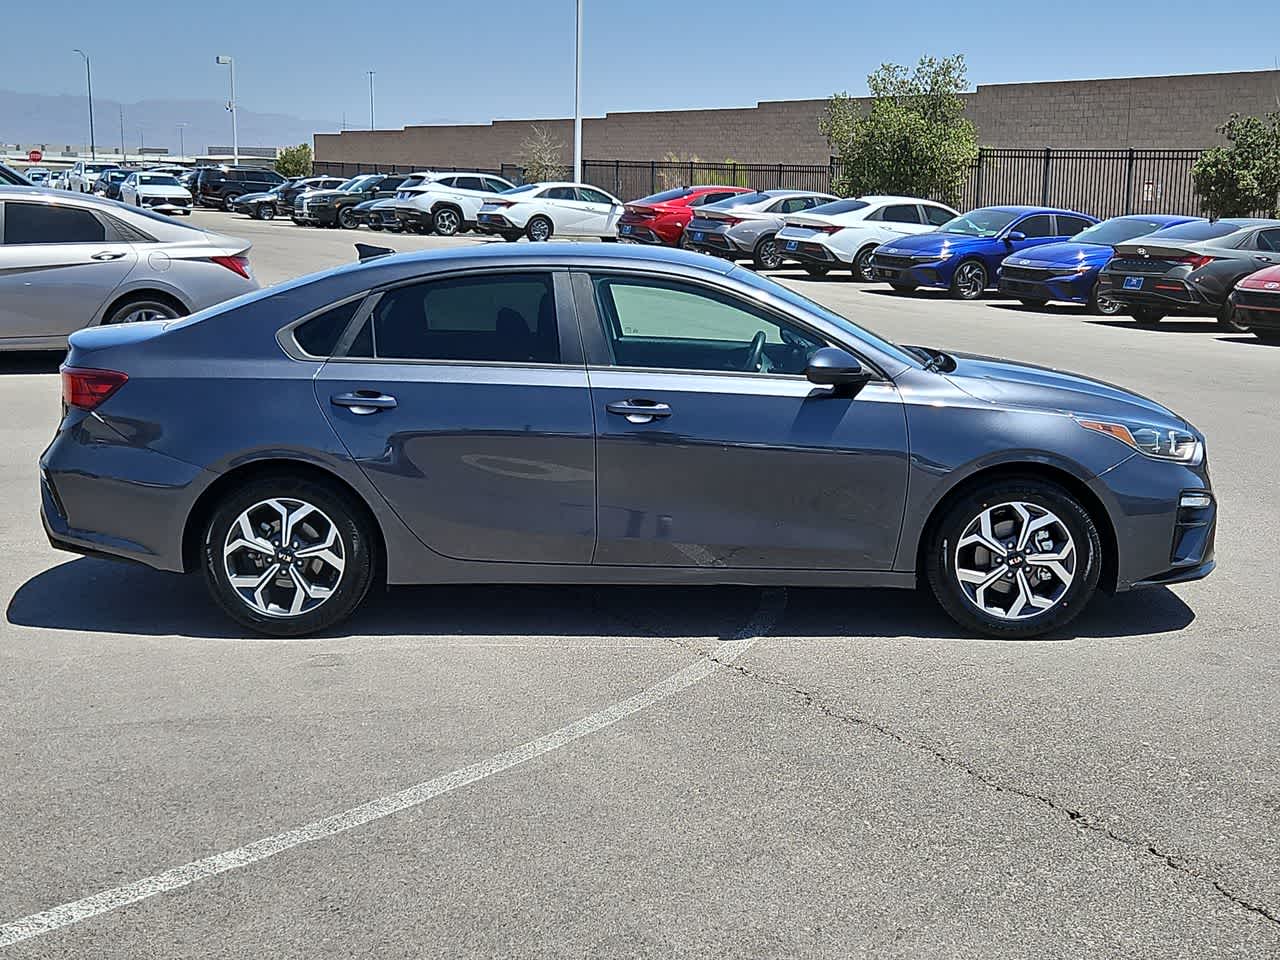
(446, 221)
(1229, 320)
(817, 269)
(511, 236)
(1015, 558)
(538, 229)
(969, 281)
(1146, 316)
(766, 256)
(141, 309)
(862, 269)
(229, 199)
(266, 211)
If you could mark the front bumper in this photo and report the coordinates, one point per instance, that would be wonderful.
(1257, 309)
(1042, 283)
(910, 272)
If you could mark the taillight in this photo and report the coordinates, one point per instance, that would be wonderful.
(236, 264)
(729, 220)
(1196, 261)
(86, 388)
(498, 203)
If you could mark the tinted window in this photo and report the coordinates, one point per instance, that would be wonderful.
(561, 193)
(902, 213)
(495, 186)
(470, 183)
(1040, 225)
(841, 206)
(1268, 240)
(937, 216)
(594, 196)
(671, 325)
(1198, 230)
(1070, 226)
(743, 199)
(50, 223)
(795, 204)
(668, 195)
(319, 334)
(510, 318)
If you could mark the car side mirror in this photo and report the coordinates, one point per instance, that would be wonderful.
(833, 367)
(1015, 236)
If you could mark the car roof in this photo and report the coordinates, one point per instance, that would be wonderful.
(556, 253)
(787, 192)
(1243, 222)
(885, 198)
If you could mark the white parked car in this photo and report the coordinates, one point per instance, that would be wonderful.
(844, 233)
(541, 211)
(84, 174)
(449, 202)
(40, 176)
(159, 191)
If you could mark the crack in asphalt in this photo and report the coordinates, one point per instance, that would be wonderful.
(1082, 819)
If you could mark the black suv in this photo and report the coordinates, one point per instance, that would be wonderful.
(216, 186)
(337, 208)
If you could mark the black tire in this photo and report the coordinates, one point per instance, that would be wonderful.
(375, 226)
(903, 287)
(266, 211)
(765, 256)
(538, 229)
(817, 269)
(940, 560)
(135, 309)
(862, 269)
(1228, 320)
(422, 229)
(1146, 317)
(347, 218)
(1035, 304)
(227, 200)
(1102, 307)
(351, 524)
(962, 287)
(511, 236)
(446, 221)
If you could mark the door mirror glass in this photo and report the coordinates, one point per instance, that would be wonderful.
(834, 367)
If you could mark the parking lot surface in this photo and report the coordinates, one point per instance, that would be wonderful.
(638, 772)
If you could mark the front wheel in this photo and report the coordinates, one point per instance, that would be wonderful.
(1035, 304)
(1103, 306)
(266, 211)
(817, 269)
(287, 556)
(766, 256)
(902, 287)
(1229, 320)
(347, 218)
(862, 268)
(969, 281)
(538, 229)
(1015, 558)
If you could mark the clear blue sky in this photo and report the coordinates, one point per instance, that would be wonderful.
(471, 62)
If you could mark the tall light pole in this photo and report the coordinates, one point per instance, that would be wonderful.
(577, 99)
(124, 155)
(88, 79)
(142, 144)
(182, 147)
(231, 105)
(370, 99)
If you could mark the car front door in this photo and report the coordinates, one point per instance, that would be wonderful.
(602, 212)
(1036, 229)
(464, 400)
(59, 264)
(713, 450)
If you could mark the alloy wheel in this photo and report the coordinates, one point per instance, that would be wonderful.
(970, 280)
(767, 253)
(862, 266)
(143, 311)
(446, 222)
(539, 229)
(283, 557)
(1015, 560)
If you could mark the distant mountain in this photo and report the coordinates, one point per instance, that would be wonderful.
(59, 120)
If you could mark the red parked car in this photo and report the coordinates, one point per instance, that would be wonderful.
(1256, 300)
(661, 218)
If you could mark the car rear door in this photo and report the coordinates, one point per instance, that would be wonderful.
(566, 212)
(704, 461)
(464, 400)
(59, 265)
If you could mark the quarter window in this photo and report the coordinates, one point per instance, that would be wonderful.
(319, 335)
(507, 318)
(1038, 225)
(666, 324)
(50, 223)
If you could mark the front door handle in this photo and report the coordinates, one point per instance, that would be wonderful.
(1263, 259)
(108, 255)
(639, 411)
(363, 402)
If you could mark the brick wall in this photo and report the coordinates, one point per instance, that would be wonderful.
(1142, 112)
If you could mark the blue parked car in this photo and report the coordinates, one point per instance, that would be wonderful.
(1069, 271)
(964, 254)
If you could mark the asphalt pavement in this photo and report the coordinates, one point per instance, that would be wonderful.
(655, 772)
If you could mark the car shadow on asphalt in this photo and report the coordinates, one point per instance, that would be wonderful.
(28, 361)
(91, 595)
(1206, 325)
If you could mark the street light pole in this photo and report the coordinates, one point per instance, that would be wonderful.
(124, 155)
(88, 79)
(231, 105)
(182, 147)
(577, 99)
(371, 100)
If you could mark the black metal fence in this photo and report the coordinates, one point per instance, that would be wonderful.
(1105, 183)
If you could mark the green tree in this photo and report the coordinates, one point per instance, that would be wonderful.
(1243, 177)
(294, 161)
(913, 140)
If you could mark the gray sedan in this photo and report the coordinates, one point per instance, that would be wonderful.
(743, 227)
(567, 413)
(71, 261)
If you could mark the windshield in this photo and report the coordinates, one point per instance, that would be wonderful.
(1117, 230)
(1197, 230)
(352, 184)
(97, 167)
(788, 295)
(986, 222)
(840, 206)
(113, 176)
(158, 180)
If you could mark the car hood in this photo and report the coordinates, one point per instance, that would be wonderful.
(1063, 255)
(161, 190)
(1268, 279)
(950, 243)
(1011, 383)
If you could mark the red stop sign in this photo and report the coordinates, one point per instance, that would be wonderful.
(35, 156)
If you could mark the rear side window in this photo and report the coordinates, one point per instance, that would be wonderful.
(1268, 240)
(319, 335)
(470, 183)
(50, 223)
(507, 318)
(1070, 226)
(594, 196)
(710, 198)
(1040, 225)
(561, 193)
(902, 213)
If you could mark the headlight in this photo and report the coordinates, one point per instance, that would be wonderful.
(1159, 443)
(930, 257)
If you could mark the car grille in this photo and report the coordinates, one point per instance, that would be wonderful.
(164, 201)
(897, 263)
(298, 205)
(1025, 273)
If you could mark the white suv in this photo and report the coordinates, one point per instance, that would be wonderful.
(448, 202)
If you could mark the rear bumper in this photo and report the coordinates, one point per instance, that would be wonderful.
(807, 251)
(641, 231)
(413, 217)
(714, 242)
(1159, 292)
(494, 223)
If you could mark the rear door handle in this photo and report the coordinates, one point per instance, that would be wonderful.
(363, 402)
(639, 411)
(108, 255)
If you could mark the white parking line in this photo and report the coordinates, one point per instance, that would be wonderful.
(763, 620)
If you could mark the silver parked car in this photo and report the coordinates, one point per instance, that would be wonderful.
(72, 261)
(744, 226)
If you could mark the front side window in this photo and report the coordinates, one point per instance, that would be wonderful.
(668, 324)
(50, 223)
(984, 222)
(561, 193)
(503, 318)
(1040, 225)
(592, 195)
(937, 216)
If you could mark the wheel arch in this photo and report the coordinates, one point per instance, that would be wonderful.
(149, 291)
(1034, 470)
(208, 500)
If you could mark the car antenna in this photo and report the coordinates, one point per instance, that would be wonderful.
(367, 251)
